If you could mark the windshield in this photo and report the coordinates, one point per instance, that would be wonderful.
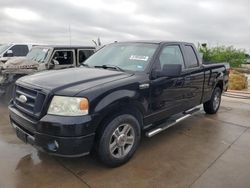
(4, 47)
(126, 56)
(38, 54)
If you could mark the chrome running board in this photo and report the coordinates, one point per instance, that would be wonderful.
(170, 122)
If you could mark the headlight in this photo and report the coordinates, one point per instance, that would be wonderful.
(69, 106)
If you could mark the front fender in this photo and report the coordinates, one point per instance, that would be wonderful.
(114, 97)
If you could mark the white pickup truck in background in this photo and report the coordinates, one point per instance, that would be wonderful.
(8, 51)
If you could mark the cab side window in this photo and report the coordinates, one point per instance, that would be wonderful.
(191, 60)
(171, 55)
(19, 50)
(63, 57)
(84, 54)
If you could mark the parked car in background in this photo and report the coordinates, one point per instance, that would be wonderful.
(41, 58)
(8, 51)
(125, 89)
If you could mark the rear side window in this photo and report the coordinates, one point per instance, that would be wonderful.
(84, 54)
(20, 50)
(191, 57)
(170, 55)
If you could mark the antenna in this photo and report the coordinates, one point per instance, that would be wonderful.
(69, 35)
(99, 41)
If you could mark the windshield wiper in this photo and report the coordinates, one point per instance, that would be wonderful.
(109, 67)
(84, 64)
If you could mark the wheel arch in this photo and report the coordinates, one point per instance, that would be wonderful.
(122, 106)
(121, 100)
(220, 84)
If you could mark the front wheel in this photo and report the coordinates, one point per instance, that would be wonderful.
(213, 105)
(119, 140)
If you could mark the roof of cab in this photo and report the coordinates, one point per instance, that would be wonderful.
(154, 42)
(67, 46)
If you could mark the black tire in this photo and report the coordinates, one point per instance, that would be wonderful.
(109, 138)
(213, 105)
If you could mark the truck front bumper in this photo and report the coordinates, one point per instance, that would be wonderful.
(60, 136)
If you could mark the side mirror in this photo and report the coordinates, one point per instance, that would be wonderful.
(169, 70)
(52, 64)
(9, 53)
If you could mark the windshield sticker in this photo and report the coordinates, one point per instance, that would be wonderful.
(45, 50)
(138, 57)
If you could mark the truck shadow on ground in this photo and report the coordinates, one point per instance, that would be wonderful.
(178, 144)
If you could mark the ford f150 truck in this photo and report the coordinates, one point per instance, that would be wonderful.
(122, 91)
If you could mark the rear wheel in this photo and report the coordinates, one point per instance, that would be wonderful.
(119, 140)
(213, 105)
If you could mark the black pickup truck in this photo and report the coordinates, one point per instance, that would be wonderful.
(123, 90)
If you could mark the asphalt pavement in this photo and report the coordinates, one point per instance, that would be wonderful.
(202, 151)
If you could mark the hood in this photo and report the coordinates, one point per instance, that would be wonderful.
(21, 63)
(72, 81)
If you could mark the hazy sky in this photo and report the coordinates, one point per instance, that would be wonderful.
(48, 21)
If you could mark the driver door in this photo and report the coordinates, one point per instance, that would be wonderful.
(168, 95)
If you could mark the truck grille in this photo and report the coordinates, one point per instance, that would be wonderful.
(29, 101)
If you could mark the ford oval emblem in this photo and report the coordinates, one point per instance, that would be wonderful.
(22, 98)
